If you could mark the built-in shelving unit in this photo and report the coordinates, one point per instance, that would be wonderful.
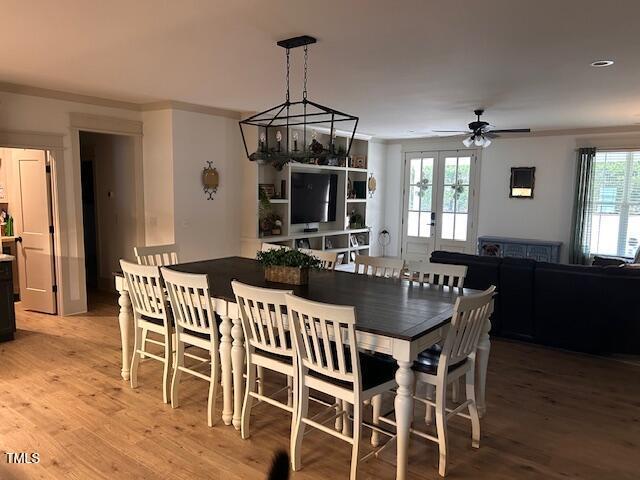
(336, 236)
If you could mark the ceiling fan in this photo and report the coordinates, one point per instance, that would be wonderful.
(482, 132)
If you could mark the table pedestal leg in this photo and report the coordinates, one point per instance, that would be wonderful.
(225, 366)
(482, 360)
(237, 361)
(404, 415)
(125, 318)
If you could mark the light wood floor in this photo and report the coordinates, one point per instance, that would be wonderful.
(551, 415)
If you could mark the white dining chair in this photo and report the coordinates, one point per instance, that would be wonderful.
(329, 361)
(457, 359)
(437, 273)
(441, 274)
(268, 345)
(196, 325)
(266, 247)
(150, 314)
(379, 266)
(328, 260)
(158, 255)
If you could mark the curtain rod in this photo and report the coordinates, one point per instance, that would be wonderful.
(620, 149)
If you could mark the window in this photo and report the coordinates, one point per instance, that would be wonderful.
(615, 204)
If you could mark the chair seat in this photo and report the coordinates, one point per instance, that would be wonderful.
(428, 360)
(158, 321)
(374, 370)
(281, 358)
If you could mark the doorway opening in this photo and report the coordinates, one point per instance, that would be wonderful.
(107, 168)
(27, 226)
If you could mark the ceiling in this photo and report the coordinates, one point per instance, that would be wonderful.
(401, 65)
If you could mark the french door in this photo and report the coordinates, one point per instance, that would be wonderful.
(439, 210)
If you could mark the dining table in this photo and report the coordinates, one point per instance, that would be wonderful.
(395, 316)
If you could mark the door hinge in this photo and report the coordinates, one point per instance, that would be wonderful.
(48, 169)
(51, 229)
(54, 288)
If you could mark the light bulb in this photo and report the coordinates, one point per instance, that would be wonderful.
(295, 136)
(479, 141)
(487, 142)
(278, 136)
(263, 137)
(314, 135)
(467, 141)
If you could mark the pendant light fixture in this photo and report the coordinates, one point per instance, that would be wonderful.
(290, 131)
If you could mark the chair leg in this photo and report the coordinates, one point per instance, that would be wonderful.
(357, 431)
(177, 374)
(168, 361)
(441, 424)
(473, 409)
(428, 416)
(296, 440)
(376, 403)
(144, 341)
(213, 389)
(296, 401)
(248, 400)
(260, 374)
(346, 423)
(338, 423)
(290, 398)
(135, 361)
(455, 391)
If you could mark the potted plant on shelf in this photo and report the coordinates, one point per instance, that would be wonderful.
(287, 266)
(356, 220)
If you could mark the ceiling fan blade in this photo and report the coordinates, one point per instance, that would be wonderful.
(490, 135)
(512, 130)
(451, 131)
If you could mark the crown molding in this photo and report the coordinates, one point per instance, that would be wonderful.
(190, 107)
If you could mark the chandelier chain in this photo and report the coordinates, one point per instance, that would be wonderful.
(306, 56)
(288, 68)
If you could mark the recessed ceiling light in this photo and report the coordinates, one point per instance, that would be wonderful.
(602, 63)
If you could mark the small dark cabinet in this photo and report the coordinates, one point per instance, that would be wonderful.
(7, 312)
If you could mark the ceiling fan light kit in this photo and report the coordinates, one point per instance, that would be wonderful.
(481, 133)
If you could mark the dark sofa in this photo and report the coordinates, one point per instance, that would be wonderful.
(592, 309)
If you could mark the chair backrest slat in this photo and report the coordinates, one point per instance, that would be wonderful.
(327, 259)
(379, 266)
(469, 316)
(158, 255)
(264, 321)
(191, 302)
(145, 289)
(325, 338)
(437, 273)
(265, 247)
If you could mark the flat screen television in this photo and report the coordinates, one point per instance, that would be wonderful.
(313, 197)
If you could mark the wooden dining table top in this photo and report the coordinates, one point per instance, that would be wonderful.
(390, 307)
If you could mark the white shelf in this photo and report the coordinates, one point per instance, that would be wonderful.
(337, 250)
(320, 233)
(351, 169)
(278, 200)
(356, 200)
(310, 166)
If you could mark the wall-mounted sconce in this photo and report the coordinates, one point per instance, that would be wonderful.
(522, 182)
(372, 185)
(210, 180)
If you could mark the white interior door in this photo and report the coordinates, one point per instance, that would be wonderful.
(439, 203)
(33, 225)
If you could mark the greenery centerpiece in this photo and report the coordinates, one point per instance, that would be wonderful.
(284, 265)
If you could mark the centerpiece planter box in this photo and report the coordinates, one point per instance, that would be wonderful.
(290, 275)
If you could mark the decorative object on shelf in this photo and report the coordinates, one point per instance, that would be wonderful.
(361, 238)
(353, 241)
(384, 239)
(522, 182)
(302, 114)
(372, 184)
(328, 244)
(480, 132)
(269, 189)
(350, 192)
(359, 161)
(360, 189)
(356, 220)
(303, 243)
(270, 223)
(276, 229)
(287, 266)
(210, 180)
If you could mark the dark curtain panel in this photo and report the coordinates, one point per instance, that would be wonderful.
(582, 207)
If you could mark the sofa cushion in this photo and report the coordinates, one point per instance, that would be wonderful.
(516, 298)
(621, 287)
(568, 307)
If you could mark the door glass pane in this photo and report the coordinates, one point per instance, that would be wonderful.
(414, 198)
(414, 176)
(425, 199)
(448, 199)
(464, 166)
(427, 169)
(425, 221)
(412, 226)
(447, 225)
(462, 202)
(450, 164)
(461, 226)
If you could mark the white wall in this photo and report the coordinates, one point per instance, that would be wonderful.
(204, 228)
(376, 204)
(25, 113)
(157, 145)
(545, 217)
